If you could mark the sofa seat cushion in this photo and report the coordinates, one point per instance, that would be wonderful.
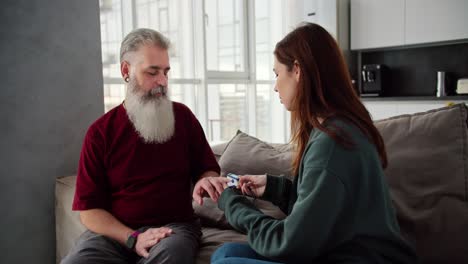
(427, 175)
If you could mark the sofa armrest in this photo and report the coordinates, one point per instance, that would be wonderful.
(68, 226)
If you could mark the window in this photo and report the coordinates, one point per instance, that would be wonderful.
(118, 18)
(225, 35)
(221, 59)
(271, 118)
(228, 110)
(111, 36)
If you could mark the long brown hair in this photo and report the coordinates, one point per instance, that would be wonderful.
(324, 90)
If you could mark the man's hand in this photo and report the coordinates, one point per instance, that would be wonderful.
(209, 186)
(149, 238)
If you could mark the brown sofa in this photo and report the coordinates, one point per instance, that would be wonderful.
(427, 175)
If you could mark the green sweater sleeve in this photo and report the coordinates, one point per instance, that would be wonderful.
(278, 191)
(303, 234)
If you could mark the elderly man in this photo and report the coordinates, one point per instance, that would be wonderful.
(137, 166)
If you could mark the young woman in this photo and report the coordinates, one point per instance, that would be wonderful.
(338, 206)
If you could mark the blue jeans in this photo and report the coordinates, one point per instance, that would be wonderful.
(238, 253)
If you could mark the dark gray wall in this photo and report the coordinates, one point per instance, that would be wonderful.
(50, 92)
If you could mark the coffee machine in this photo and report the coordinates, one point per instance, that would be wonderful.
(374, 79)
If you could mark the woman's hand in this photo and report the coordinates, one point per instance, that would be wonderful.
(252, 185)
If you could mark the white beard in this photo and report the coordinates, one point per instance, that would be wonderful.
(152, 117)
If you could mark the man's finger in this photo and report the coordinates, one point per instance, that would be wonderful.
(209, 189)
(144, 253)
(165, 231)
(219, 186)
(201, 190)
(197, 197)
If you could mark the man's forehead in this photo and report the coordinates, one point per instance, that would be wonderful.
(159, 67)
(153, 50)
(153, 57)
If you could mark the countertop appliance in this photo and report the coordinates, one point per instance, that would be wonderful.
(374, 79)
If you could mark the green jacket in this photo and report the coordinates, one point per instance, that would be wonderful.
(339, 208)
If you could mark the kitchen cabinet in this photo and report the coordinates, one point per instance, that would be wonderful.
(377, 23)
(382, 23)
(434, 20)
(333, 15)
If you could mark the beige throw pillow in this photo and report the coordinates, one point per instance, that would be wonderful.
(245, 154)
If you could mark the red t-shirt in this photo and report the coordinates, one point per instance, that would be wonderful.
(142, 184)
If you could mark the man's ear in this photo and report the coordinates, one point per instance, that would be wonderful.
(125, 69)
(296, 70)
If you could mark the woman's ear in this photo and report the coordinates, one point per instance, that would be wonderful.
(296, 70)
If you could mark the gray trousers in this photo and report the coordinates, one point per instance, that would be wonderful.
(180, 247)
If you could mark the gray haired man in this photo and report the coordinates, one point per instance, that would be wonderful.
(137, 166)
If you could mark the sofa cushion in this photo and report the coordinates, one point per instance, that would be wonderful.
(67, 222)
(218, 150)
(428, 176)
(245, 154)
(210, 215)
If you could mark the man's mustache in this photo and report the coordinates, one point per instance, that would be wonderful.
(161, 89)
